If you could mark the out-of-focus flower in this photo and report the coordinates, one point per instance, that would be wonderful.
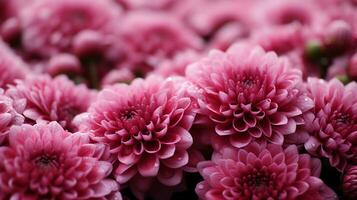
(11, 66)
(143, 4)
(215, 15)
(282, 12)
(221, 22)
(9, 114)
(249, 94)
(349, 184)
(152, 37)
(352, 67)
(333, 123)
(45, 161)
(338, 36)
(262, 172)
(176, 65)
(49, 99)
(49, 27)
(63, 64)
(123, 75)
(280, 39)
(146, 125)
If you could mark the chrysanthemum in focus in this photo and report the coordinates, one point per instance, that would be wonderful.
(47, 99)
(146, 125)
(249, 94)
(262, 172)
(46, 162)
(333, 123)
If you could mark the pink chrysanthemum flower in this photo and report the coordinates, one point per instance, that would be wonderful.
(152, 37)
(11, 66)
(349, 184)
(49, 99)
(50, 26)
(262, 172)
(46, 162)
(249, 94)
(9, 114)
(143, 4)
(333, 123)
(221, 22)
(146, 125)
(177, 65)
(280, 39)
(282, 12)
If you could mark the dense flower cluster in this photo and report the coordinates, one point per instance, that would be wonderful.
(262, 172)
(189, 99)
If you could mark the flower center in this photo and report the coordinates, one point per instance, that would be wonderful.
(343, 118)
(45, 161)
(128, 114)
(259, 182)
(248, 82)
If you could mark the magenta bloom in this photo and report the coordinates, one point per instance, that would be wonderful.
(249, 94)
(349, 184)
(152, 37)
(49, 99)
(44, 161)
(9, 114)
(145, 125)
(333, 123)
(51, 26)
(262, 172)
(11, 66)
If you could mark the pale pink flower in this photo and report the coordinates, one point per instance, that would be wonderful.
(47, 99)
(262, 172)
(49, 27)
(209, 17)
(282, 39)
(152, 37)
(45, 161)
(248, 94)
(283, 12)
(11, 66)
(333, 123)
(177, 65)
(145, 124)
(63, 63)
(123, 75)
